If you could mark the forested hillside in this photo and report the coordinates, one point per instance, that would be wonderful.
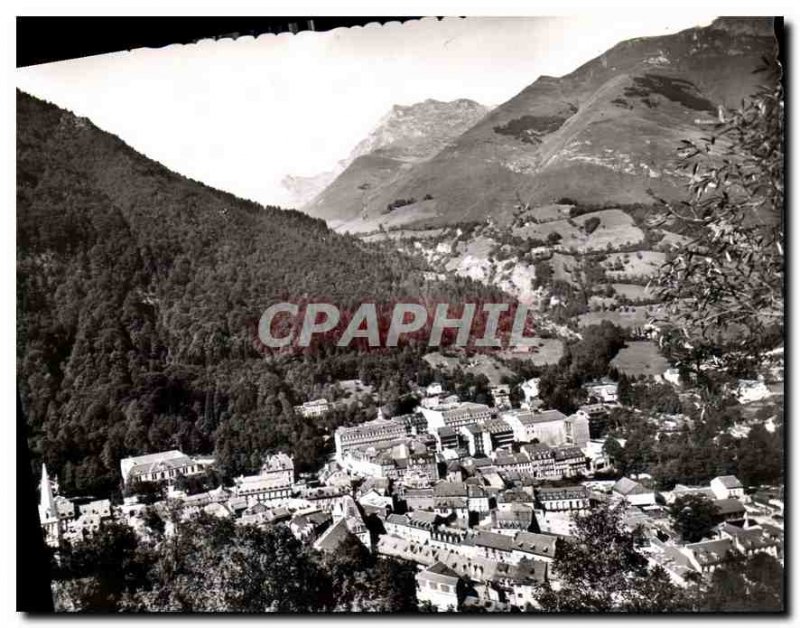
(138, 295)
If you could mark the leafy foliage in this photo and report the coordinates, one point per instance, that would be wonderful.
(99, 572)
(601, 571)
(726, 287)
(744, 584)
(214, 565)
(561, 384)
(694, 516)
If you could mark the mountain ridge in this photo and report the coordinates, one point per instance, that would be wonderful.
(406, 133)
(606, 132)
(138, 297)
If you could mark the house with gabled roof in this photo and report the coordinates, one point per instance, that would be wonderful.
(706, 556)
(730, 509)
(440, 586)
(633, 492)
(309, 525)
(752, 540)
(727, 487)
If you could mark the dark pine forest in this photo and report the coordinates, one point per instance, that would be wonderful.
(138, 296)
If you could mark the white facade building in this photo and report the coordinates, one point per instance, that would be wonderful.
(159, 467)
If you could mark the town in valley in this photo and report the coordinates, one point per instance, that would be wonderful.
(477, 497)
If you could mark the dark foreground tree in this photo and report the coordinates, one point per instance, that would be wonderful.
(206, 564)
(362, 582)
(752, 584)
(213, 565)
(96, 574)
(693, 516)
(600, 570)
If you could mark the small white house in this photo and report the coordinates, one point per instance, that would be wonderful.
(433, 390)
(530, 390)
(727, 487)
(604, 390)
(750, 390)
(440, 586)
(672, 376)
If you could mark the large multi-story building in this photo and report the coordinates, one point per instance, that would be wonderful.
(279, 466)
(414, 424)
(473, 438)
(548, 427)
(274, 481)
(569, 462)
(368, 462)
(160, 467)
(262, 488)
(457, 416)
(374, 433)
(497, 434)
(513, 462)
(577, 430)
(447, 438)
(727, 487)
(542, 460)
(597, 415)
(416, 526)
(572, 498)
(441, 587)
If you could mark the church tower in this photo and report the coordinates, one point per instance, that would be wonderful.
(48, 515)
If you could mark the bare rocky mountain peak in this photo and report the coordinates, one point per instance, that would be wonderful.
(412, 132)
(605, 133)
(409, 133)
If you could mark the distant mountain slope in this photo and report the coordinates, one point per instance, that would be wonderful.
(302, 189)
(138, 295)
(406, 135)
(607, 132)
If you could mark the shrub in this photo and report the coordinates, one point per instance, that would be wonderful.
(591, 224)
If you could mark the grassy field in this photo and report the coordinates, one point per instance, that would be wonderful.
(632, 291)
(421, 211)
(632, 316)
(480, 364)
(615, 228)
(546, 351)
(640, 357)
(637, 264)
(547, 213)
(401, 234)
(672, 241)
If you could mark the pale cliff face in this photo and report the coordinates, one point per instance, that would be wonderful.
(409, 134)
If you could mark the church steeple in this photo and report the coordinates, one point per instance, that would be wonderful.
(47, 506)
(48, 515)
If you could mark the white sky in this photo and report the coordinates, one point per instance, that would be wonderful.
(239, 115)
